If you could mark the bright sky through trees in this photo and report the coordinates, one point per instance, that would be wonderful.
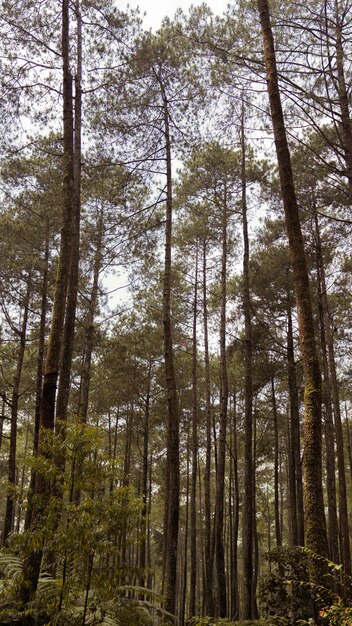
(156, 10)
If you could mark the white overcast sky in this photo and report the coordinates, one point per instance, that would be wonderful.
(156, 10)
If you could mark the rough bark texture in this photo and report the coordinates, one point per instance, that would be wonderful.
(343, 97)
(333, 538)
(235, 603)
(295, 465)
(207, 502)
(315, 528)
(39, 383)
(69, 326)
(276, 468)
(333, 391)
(248, 409)
(145, 472)
(10, 500)
(193, 533)
(173, 472)
(87, 361)
(220, 475)
(47, 413)
(63, 270)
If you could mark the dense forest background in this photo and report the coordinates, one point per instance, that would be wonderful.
(175, 292)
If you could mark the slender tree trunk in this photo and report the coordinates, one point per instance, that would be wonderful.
(334, 389)
(143, 543)
(69, 326)
(343, 95)
(220, 476)
(248, 408)
(39, 383)
(10, 500)
(93, 303)
(276, 467)
(295, 465)
(2, 417)
(236, 516)
(201, 569)
(185, 562)
(207, 502)
(315, 527)
(333, 538)
(254, 523)
(47, 410)
(193, 564)
(173, 472)
(62, 277)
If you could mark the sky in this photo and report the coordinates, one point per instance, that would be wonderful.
(156, 10)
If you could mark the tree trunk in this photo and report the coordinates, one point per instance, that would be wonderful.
(209, 603)
(173, 472)
(248, 404)
(10, 500)
(52, 362)
(295, 466)
(315, 528)
(254, 524)
(276, 467)
(185, 562)
(47, 413)
(69, 326)
(343, 97)
(220, 476)
(235, 517)
(343, 510)
(193, 529)
(333, 538)
(87, 360)
(143, 544)
(39, 383)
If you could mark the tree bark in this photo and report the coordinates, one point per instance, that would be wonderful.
(173, 472)
(93, 303)
(295, 465)
(345, 551)
(47, 410)
(343, 97)
(248, 404)
(333, 538)
(193, 533)
(39, 383)
(143, 545)
(209, 603)
(315, 528)
(278, 534)
(10, 500)
(70, 317)
(220, 476)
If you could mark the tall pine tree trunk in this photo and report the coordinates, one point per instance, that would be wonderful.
(315, 527)
(93, 303)
(173, 472)
(33, 559)
(10, 500)
(278, 534)
(39, 383)
(248, 610)
(209, 603)
(343, 95)
(345, 551)
(70, 316)
(193, 537)
(220, 475)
